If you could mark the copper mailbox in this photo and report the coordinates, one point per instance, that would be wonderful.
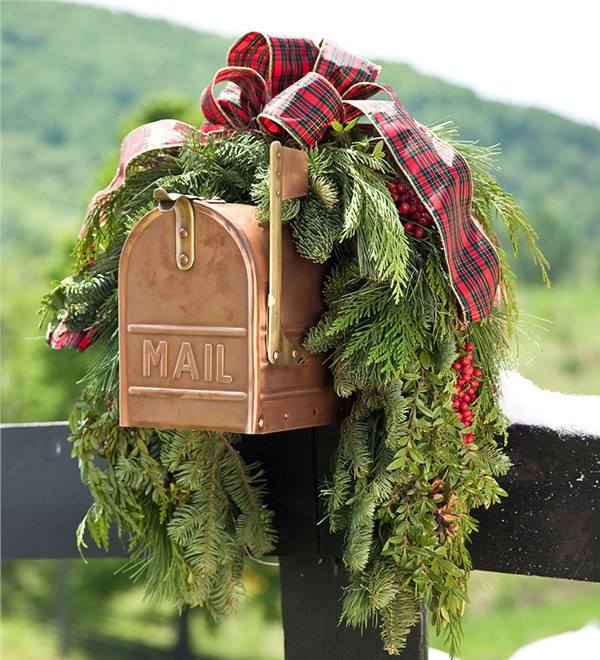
(212, 310)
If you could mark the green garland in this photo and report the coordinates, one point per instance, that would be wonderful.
(404, 482)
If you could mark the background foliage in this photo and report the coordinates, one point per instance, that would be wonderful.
(74, 81)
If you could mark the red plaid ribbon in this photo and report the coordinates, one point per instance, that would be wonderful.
(442, 180)
(290, 86)
(156, 136)
(59, 337)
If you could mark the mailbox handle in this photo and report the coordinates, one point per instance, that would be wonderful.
(288, 178)
(184, 225)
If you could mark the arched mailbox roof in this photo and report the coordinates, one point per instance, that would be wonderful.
(187, 338)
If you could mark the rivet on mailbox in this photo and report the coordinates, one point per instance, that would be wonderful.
(212, 312)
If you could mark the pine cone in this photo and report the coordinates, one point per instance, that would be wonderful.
(446, 518)
(437, 489)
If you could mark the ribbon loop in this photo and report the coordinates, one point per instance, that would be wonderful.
(360, 91)
(281, 61)
(342, 69)
(305, 110)
(239, 102)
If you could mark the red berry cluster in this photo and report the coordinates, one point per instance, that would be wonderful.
(467, 383)
(410, 207)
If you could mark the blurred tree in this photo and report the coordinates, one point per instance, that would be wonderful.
(559, 241)
(171, 105)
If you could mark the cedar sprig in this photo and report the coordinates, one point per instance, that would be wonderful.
(403, 484)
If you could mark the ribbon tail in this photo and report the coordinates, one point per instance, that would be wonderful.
(161, 135)
(441, 178)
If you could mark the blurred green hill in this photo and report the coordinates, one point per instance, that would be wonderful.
(72, 78)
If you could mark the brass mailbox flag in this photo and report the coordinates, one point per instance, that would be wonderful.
(288, 178)
(212, 311)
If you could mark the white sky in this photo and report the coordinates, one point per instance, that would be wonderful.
(528, 52)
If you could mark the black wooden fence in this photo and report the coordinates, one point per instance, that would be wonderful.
(549, 525)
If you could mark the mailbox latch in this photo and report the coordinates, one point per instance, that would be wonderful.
(184, 225)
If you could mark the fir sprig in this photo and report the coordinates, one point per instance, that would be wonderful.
(403, 482)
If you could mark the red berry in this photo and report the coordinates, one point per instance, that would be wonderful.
(409, 227)
(419, 232)
(471, 392)
(456, 366)
(468, 438)
(468, 346)
(404, 208)
(401, 188)
(466, 360)
(474, 383)
(477, 373)
(464, 406)
(467, 398)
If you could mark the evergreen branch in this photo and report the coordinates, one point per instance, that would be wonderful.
(403, 484)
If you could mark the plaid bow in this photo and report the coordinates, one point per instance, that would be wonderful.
(290, 86)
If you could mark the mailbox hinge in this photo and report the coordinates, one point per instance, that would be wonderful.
(184, 225)
(288, 178)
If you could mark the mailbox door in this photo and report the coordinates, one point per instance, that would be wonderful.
(186, 336)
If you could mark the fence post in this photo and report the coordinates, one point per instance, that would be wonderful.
(182, 649)
(311, 594)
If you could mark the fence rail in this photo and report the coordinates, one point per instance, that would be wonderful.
(549, 525)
